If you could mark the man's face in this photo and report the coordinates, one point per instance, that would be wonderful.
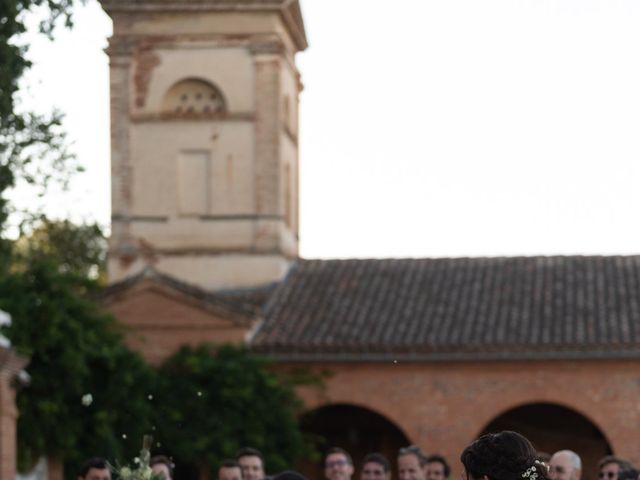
(229, 473)
(409, 468)
(560, 467)
(337, 467)
(98, 474)
(435, 471)
(252, 468)
(161, 470)
(609, 471)
(374, 471)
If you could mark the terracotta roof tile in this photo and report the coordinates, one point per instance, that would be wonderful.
(527, 307)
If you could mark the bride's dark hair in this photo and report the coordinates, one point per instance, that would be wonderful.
(502, 456)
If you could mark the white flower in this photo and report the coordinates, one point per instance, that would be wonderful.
(125, 473)
(530, 473)
(87, 399)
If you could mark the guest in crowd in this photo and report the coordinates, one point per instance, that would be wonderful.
(375, 466)
(95, 468)
(338, 464)
(229, 470)
(251, 462)
(610, 466)
(437, 468)
(412, 464)
(565, 465)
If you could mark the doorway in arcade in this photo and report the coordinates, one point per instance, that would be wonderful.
(356, 429)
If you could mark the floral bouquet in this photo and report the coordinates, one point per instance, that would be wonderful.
(141, 470)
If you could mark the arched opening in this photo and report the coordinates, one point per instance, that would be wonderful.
(553, 427)
(193, 97)
(356, 429)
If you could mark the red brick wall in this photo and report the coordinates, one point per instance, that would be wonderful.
(158, 321)
(10, 365)
(444, 406)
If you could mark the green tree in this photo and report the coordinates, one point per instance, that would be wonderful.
(33, 147)
(75, 350)
(213, 401)
(75, 248)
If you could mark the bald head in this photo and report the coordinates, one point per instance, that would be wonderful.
(565, 465)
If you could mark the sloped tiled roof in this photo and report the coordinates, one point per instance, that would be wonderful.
(246, 303)
(455, 308)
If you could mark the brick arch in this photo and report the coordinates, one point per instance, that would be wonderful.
(553, 426)
(360, 398)
(502, 409)
(386, 415)
(357, 428)
(443, 406)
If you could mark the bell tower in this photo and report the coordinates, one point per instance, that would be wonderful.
(204, 138)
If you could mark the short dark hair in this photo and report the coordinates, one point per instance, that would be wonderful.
(414, 450)
(340, 450)
(229, 463)
(250, 452)
(98, 463)
(436, 458)
(379, 459)
(623, 464)
(162, 460)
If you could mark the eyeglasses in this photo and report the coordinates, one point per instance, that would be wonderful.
(336, 463)
(610, 475)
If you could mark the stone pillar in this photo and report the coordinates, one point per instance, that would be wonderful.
(267, 57)
(122, 248)
(10, 365)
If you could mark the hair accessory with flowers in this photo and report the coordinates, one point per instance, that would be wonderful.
(530, 473)
(142, 470)
(544, 465)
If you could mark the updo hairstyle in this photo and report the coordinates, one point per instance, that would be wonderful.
(502, 456)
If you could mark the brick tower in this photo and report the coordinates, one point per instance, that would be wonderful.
(204, 138)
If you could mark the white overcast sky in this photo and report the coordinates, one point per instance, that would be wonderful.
(428, 127)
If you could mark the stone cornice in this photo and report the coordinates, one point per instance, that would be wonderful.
(289, 10)
(193, 117)
(126, 45)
